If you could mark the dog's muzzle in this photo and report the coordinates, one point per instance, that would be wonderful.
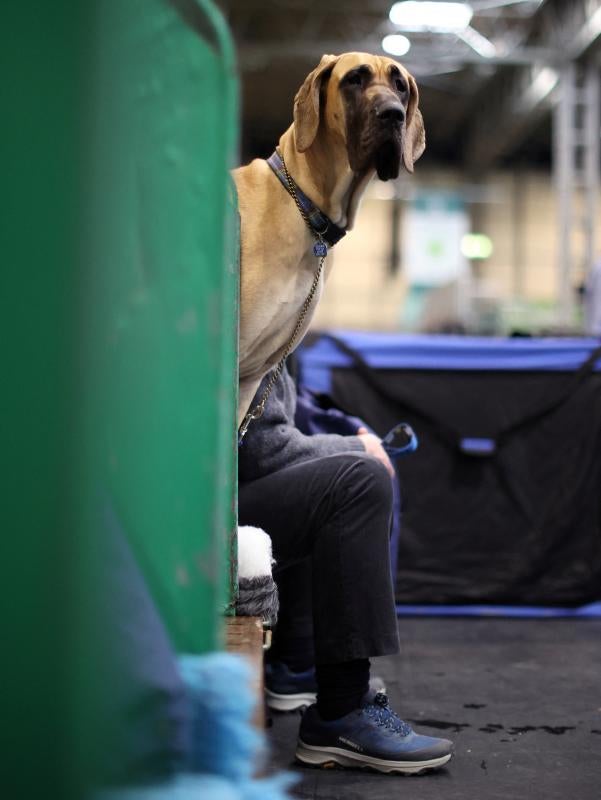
(390, 116)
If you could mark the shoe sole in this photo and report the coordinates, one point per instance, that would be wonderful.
(332, 756)
(289, 702)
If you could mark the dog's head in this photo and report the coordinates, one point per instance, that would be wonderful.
(368, 102)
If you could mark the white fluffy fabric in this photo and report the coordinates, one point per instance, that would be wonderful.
(254, 553)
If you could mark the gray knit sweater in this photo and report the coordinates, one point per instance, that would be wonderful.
(273, 442)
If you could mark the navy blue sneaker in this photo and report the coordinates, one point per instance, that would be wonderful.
(370, 737)
(286, 690)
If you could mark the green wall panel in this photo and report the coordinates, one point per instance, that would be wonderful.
(41, 56)
(160, 299)
(119, 284)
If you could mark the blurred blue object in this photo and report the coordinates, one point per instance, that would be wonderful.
(225, 751)
(223, 740)
(171, 727)
(183, 787)
(400, 440)
(200, 787)
(141, 709)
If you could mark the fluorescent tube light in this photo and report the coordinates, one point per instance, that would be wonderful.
(396, 44)
(421, 15)
(483, 46)
(543, 83)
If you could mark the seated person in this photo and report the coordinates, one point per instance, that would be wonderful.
(325, 500)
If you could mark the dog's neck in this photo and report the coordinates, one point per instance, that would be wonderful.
(324, 174)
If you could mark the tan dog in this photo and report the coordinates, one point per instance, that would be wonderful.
(356, 115)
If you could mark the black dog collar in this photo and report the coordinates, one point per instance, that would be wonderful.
(322, 226)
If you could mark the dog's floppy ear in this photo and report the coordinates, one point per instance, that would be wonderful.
(414, 142)
(306, 103)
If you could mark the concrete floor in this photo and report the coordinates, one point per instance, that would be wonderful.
(520, 698)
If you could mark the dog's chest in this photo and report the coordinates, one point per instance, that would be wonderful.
(297, 288)
(280, 309)
(291, 303)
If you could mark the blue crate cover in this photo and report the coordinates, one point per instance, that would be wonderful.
(517, 521)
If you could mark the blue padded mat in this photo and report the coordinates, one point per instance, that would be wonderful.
(590, 611)
(399, 351)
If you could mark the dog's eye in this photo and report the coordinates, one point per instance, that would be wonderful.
(400, 85)
(354, 79)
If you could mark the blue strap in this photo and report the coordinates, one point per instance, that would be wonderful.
(477, 446)
(400, 441)
(321, 225)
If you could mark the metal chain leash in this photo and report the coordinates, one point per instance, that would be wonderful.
(320, 250)
(292, 190)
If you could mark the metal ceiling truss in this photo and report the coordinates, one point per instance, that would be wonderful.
(576, 128)
(279, 30)
(421, 57)
(512, 104)
(570, 87)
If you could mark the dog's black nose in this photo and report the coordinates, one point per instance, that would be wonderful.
(390, 113)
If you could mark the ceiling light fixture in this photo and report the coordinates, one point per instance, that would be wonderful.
(544, 82)
(396, 44)
(480, 44)
(421, 15)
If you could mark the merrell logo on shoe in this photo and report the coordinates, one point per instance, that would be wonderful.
(350, 744)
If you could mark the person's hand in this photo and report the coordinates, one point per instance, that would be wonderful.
(373, 446)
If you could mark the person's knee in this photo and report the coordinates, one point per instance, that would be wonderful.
(367, 476)
(378, 479)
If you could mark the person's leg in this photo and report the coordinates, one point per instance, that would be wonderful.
(290, 681)
(290, 675)
(337, 511)
(293, 635)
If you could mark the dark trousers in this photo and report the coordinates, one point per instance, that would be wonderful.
(329, 521)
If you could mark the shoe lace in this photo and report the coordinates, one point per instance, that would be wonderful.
(384, 716)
